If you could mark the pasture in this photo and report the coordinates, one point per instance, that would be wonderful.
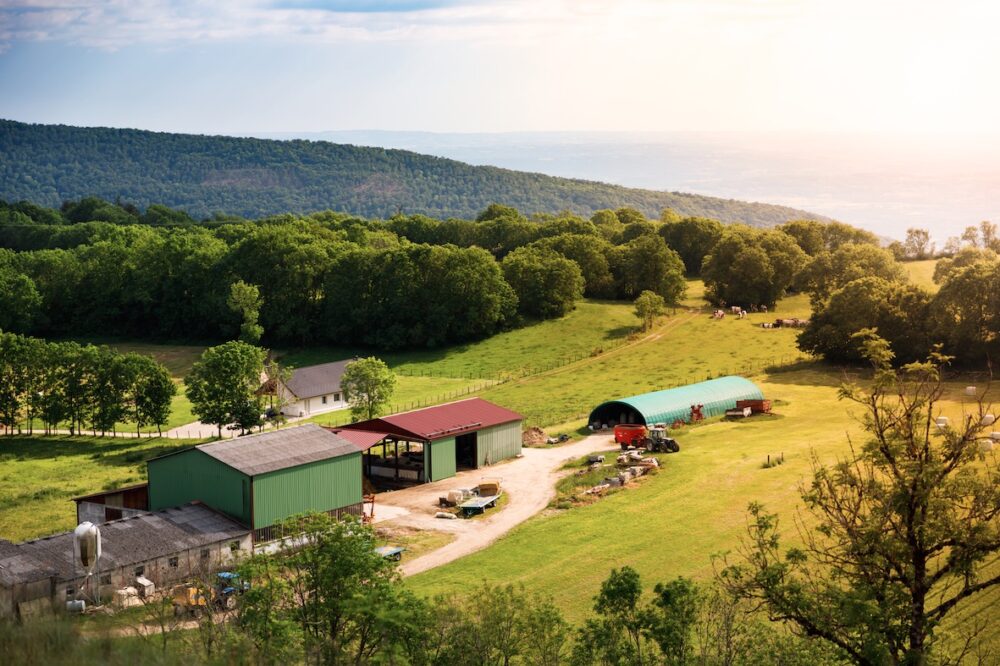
(40, 475)
(695, 507)
(921, 273)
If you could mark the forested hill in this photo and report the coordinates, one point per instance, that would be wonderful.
(48, 164)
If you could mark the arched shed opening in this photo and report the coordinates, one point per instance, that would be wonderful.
(669, 405)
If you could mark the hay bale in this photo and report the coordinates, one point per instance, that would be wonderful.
(533, 436)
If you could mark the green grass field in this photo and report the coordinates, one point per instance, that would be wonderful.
(40, 475)
(921, 273)
(683, 348)
(695, 507)
(594, 325)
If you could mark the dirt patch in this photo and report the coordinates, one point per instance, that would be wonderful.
(534, 436)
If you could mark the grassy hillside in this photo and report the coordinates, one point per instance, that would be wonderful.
(921, 273)
(672, 524)
(39, 477)
(48, 164)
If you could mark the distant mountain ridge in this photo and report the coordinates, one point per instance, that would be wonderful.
(48, 164)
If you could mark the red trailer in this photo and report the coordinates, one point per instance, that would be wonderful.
(630, 434)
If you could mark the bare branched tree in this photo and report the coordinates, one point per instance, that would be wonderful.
(904, 530)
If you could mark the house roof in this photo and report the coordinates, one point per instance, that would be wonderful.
(313, 380)
(123, 542)
(440, 421)
(360, 438)
(278, 449)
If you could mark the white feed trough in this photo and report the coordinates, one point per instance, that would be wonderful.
(970, 390)
(942, 421)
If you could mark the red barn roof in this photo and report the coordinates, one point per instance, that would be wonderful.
(440, 421)
(360, 438)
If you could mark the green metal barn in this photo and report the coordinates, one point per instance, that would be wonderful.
(667, 406)
(434, 443)
(263, 479)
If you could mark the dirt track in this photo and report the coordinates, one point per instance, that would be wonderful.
(529, 483)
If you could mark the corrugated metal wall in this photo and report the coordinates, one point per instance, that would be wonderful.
(192, 475)
(442, 459)
(498, 443)
(320, 486)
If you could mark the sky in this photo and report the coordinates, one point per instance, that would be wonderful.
(221, 66)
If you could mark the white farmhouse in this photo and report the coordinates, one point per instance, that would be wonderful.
(314, 389)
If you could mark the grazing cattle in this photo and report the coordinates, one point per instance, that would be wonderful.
(735, 309)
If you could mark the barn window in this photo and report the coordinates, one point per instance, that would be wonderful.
(172, 562)
(140, 570)
(70, 591)
(105, 579)
(336, 397)
(205, 553)
(324, 399)
(234, 546)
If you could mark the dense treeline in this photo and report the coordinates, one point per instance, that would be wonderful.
(327, 278)
(83, 386)
(857, 286)
(204, 174)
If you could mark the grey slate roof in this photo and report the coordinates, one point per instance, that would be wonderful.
(123, 542)
(278, 449)
(314, 380)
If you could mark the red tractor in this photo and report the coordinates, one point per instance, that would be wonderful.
(629, 435)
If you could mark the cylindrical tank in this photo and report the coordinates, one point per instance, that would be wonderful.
(988, 419)
(87, 545)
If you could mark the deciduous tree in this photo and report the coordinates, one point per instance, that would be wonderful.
(907, 525)
(223, 384)
(368, 384)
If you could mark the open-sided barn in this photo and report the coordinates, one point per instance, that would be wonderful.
(714, 396)
(436, 441)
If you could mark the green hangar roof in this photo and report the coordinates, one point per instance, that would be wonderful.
(717, 395)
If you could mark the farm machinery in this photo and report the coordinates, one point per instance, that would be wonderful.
(194, 599)
(654, 439)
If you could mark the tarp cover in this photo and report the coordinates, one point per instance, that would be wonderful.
(717, 395)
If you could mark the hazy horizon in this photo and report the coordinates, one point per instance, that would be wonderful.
(884, 183)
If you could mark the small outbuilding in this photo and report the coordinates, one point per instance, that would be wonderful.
(163, 547)
(433, 443)
(260, 480)
(713, 397)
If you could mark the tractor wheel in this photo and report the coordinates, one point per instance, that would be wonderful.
(178, 610)
(674, 447)
(196, 612)
(229, 603)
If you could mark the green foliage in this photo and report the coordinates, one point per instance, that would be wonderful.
(748, 267)
(201, 175)
(591, 254)
(649, 306)
(546, 283)
(646, 263)
(223, 385)
(87, 385)
(965, 314)
(918, 244)
(828, 271)
(898, 311)
(244, 300)
(691, 238)
(906, 526)
(368, 384)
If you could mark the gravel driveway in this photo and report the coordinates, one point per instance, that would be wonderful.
(529, 483)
